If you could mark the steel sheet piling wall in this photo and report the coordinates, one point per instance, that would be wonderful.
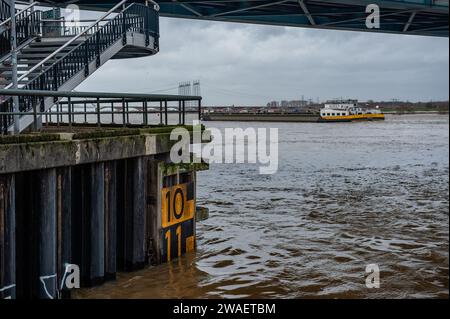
(103, 217)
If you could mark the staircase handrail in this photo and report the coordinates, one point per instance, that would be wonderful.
(51, 77)
(68, 43)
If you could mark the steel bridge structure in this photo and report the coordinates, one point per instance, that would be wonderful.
(417, 17)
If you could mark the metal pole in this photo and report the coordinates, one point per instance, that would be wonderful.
(184, 112)
(123, 113)
(161, 113)
(165, 112)
(15, 83)
(179, 112)
(69, 105)
(112, 112)
(99, 120)
(145, 113)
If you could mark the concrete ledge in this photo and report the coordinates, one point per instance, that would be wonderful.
(42, 151)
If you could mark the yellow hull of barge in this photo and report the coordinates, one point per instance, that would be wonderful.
(356, 117)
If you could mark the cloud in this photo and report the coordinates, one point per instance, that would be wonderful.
(251, 65)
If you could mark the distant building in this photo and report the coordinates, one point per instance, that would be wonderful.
(286, 103)
(273, 104)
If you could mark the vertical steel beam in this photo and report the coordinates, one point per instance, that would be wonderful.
(131, 198)
(7, 237)
(110, 220)
(46, 215)
(64, 224)
(154, 187)
(96, 222)
(135, 257)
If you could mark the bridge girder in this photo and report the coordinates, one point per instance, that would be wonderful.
(418, 17)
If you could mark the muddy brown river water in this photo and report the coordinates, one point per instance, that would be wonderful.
(346, 195)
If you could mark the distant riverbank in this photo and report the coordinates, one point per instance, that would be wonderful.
(416, 112)
(292, 117)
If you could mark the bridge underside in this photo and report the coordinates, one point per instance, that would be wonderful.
(419, 17)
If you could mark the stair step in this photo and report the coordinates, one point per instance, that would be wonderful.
(28, 77)
(7, 82)
(8, 74)
(36, 56)
(48, 50)
(8, 68)
(52, 44)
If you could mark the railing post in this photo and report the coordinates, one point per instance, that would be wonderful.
(124, 27)
(145, 108)
(160, 112)
(47, 114)
(58, 111)
(85, 112)
(55, 77)
(69, 109)
(179, 112)
(123, 113)
(34, 117)
(98, 113)
(200, 110)
(184, 112)
(112, 112)
(128, 113)
(147, 25)
(97, 49)
(13, 39)
(86, 59)
(165, 111)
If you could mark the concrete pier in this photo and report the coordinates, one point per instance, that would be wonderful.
(96, 200)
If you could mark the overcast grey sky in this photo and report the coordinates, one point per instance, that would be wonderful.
(252, 65)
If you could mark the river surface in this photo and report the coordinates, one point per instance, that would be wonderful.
(346, 195)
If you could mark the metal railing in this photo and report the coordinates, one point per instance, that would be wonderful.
(103, 109)
(28, 26)
(94, 26)
(136, 18)
(68, 28)
(4, 10)
(6, 14)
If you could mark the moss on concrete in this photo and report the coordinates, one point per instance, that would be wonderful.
(172, 168)
(130, 131)
(105, 134)
(29, 138)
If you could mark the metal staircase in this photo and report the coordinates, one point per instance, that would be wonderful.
(61, 60)
(4, 10)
